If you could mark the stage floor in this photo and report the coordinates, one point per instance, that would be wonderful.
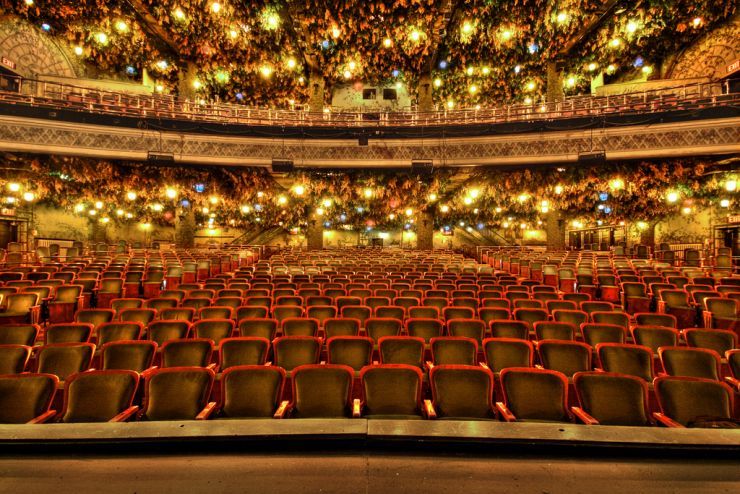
(363, 472)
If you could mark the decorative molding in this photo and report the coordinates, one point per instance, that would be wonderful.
(710, 56)
(717, 136)
(33, 52)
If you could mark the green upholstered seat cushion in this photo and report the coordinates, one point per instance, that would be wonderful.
(251, 392)
(612, 400)
(322, 393)
(391, 392)
(460, 392)
(22, 399)
(686, 400)
(535, 396)
(177, 395)
(135, 356)
(98, 397)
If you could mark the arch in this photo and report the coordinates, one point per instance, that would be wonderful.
(33, 52)
(710, 56)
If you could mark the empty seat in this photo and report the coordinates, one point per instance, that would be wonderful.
(692, 402)
(655, 337)
(68, 333)
(178, 393)
(163, 331)
(535, 395)
(509, 329)
(405, 350)
(454, 350)
(100, 396)
(294, 351)
(391, 391)
(461, 392)
(690, 362)
(322, 391)
(611, 399)
(27, 398)
(353, 351)
(553, 330)
(14, 358)
(18, 334)
(213, 329)
(65, 359)
(594, 334)
(501, 353)
(424, 328)
(194, 352)
(136, 356)
(251, 391)
(633, 360)
(116, 331)
(567, 357)
(721, 341)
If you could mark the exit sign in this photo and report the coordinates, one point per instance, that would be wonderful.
(733, 218)
(7, 62)
(733, 67)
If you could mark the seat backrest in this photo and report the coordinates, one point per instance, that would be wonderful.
(633, 360)
(260, 327)
(341, 327)
(567, 357)
(300, 326)
(14, 358)
(535, 394)
(509, 329)
(294, 351)
(165, 330)
(248, 350)
(353, 351)
(653, 319)
(406, 350)
(98, 396)
(655, 337)
(575, 317)
(96, 317)
(688, 399)
(249, 391)
(377, 327)
(690, 362)
(18, 334)
(424, 328)
(596, 333)
(322, 391)
(213, 329)
(65, 359)
(391, 390)
(24, 397)
(68, 333)
(553, 330)
(722, 307)
(21, 302)
(193, 352)
(454, 350)
(713, 339)
(176, 393)
(462, 391)
(134, 355)
(502, 353)
(613, 399)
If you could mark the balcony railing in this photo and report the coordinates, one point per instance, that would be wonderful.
(44, 94)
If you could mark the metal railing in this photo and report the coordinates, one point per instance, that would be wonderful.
(46, 94)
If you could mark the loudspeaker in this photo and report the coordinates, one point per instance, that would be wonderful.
(160, 158)
(422, 166)
(592, 158)
(282, 166)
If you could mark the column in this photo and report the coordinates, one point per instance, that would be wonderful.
(186, 77)
(315, 234)
(425, 231)
(185, 228)
(425, 100)
(555, 230)
(316, 88)
(554, 83)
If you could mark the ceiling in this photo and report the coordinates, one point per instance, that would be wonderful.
(477, 52)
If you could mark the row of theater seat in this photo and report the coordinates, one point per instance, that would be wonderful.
(386, 392)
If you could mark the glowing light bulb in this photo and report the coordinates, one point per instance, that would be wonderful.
(592, 66)
(99, 205)
(731, 185)
(326, 203)
(561, 17)
(102, 38)
(213, 200)
(558, 189)
(387, 42)
(179, 14)
(473, 89)
(291, 63)
(131, 196)
(14, 187)
(282, 200)
(437, 82)
(632, 27)
(725, 203)
(121, 26)
(299, 190)
(215, 7)
(444, 209)
(368, 193)
(170, 193)
(79, 51)
(615, 43)
(29, 196)
(266, 71)
(415, 35)
(672, 196)
(531, 86)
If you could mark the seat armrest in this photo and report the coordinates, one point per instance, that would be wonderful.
(583, 416)
(668, 422)
(207, 411)
(126, 414)
(484, 365)
(282, 410)
(213, 367)
(43, 418)
(268, 363)
(356, 408)
(538, 366)
(429, 365)
(733, 382)
(505, 412)
(429, 410)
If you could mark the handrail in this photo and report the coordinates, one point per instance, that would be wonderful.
(47, 94)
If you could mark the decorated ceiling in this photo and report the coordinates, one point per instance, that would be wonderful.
(477, 52)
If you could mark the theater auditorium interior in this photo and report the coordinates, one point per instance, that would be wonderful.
(380, 246)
